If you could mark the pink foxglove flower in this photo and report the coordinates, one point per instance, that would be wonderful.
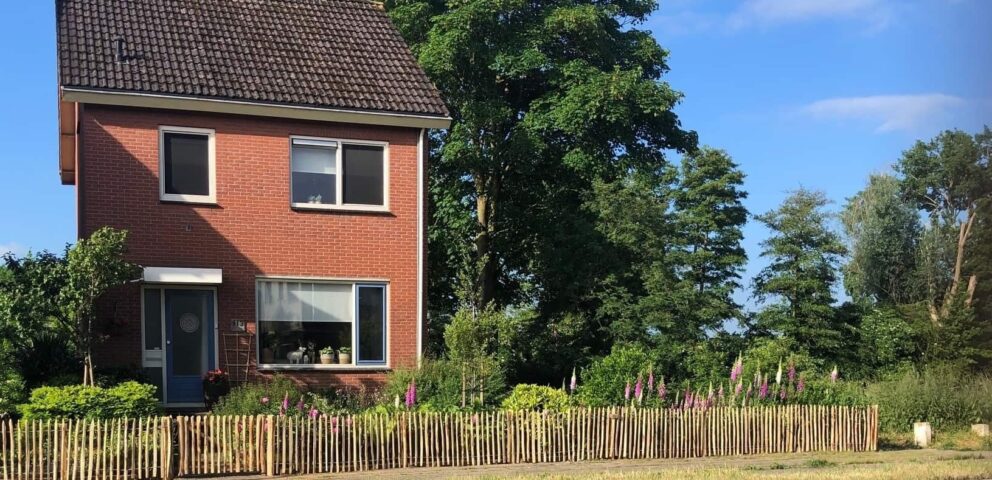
(834, 375)
(781, 394)
(738, 388)
(265, 400)
(662, 390)
(650, 380)
(626, 392)
(763, 391)
(792, 372)
(737, 369)
(313, 412)
(801, 385)
(638, 390)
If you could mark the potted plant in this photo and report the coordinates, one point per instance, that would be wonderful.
(344, 356)
(326, 355)
(216, 384)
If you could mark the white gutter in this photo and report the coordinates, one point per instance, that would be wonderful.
(172, 102)
(420, 245)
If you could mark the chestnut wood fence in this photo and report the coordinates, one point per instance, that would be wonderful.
(206, 445)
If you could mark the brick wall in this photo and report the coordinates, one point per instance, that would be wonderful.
(252, 230)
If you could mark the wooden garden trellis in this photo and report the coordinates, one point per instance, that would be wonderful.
(270, 445)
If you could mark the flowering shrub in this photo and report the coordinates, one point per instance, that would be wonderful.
(437, 386)
(605, 381)
(263, 398)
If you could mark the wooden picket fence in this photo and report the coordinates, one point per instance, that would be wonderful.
(268, 445)
(123, 448)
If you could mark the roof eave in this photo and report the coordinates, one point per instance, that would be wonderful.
(236, 107)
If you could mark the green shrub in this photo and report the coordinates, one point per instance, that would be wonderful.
(536, 397)
(128, 399)
(439, 384)
(11, 387)
(262, 398)
(603, 382)
(945, 396)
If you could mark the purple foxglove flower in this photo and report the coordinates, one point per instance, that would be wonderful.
(575, 383)
(781, 394)
(638, 390)
(626, 391)
(792, 372)
(738, 388)
(834, 375)
(801, 385)
(763, 391)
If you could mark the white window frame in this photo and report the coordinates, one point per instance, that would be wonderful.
(354, 283)
(211, 169)
(339, 176)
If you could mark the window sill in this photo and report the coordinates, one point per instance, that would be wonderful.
(340, 208)
(319, 366)
(210, 202)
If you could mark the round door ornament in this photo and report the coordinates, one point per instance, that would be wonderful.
(189, 322)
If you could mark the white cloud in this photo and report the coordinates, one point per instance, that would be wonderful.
(12, 247)
(887, 112)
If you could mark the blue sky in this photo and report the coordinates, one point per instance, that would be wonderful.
(814, 93)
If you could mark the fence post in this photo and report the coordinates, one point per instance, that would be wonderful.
(270, 446)
(166, 465)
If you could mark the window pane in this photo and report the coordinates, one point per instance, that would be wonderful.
(314, 169)
(186, 164)
(331, 302)
(371, 324)
(153, 319)
(363, 174)
(278, 339)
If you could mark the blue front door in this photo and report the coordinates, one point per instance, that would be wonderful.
(189, 334)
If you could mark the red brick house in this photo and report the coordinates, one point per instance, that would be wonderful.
(267, 158)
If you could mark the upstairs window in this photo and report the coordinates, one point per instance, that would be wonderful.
(186, 165)
(338, 174)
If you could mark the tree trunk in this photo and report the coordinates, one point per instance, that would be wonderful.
(88, 369)
(487, 274)
(964, 233)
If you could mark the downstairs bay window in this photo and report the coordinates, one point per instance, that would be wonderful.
(298, 320)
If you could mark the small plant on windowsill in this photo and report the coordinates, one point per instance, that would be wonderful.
(344, 356)
(326, 356)
(216, 384)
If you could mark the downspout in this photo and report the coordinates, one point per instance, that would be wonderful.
(420, 244)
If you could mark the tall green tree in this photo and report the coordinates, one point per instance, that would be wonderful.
(681, 235)
(547, 98)
(883, 231)
(94, 265)
(949, 179)
(796, 286)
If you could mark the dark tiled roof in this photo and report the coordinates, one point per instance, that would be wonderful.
(322, 53)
